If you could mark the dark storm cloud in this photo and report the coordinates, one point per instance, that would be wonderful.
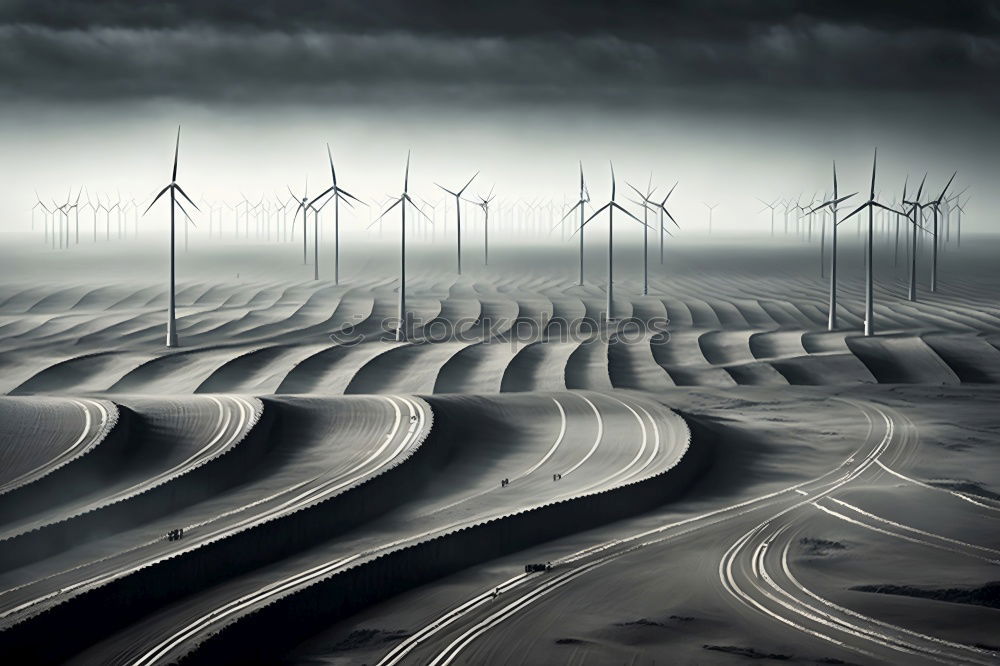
(644, 52)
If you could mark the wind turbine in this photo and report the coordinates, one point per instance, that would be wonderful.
(484, 203)
(772, 206)
(712, 207)
(611, 206)
(581, 204)
(645, 231)
(662, 206)
(45, 215)
(173, 188)
(76, 214)
(458, 214)
(960, 207)
(871, 205)
(916, 209)
(93, 212)
(337, 193)
(935, 205)
(404, 198)
(63, 210)
(304, 207)
(107, 217)
(833, 204)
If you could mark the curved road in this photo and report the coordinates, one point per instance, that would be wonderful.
(754, 570)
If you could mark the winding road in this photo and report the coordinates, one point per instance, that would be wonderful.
(754, 570)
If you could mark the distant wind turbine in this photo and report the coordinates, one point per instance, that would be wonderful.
(580, 205)
(916, 211)
(645, 202)
(772, 206)
(871, 205)
(338, 192)
(484, 203)
(662, 206)
(611, 206)
(960, 207)
(712, 207)
(833, 204)
(303, 205)
(404, 198)
(45, 215)
(173, 188)
(458, 214)
(935, 205)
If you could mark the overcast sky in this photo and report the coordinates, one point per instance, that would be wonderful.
(733, 99)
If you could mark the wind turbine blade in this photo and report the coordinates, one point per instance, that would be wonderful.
(468, 183)
(837, 202)
(956, 196)
(874, 163)
(385, 212)
(891, 210)
(921, 188)
(569, 212)
(629, 214)
(595, 214)
(295, 215)
(835, 179)
(325, 192)
(855, 211)
(406, 176)
(333, 172)
(672, 191)
(641, 195)
(417, 208)
(454, 194)
(348, 194)
(184, 194)
(155, 199)
(950, 180)
(185, 212)
(177, 150)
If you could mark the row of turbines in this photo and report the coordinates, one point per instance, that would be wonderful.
(655, 217)
(270, 218)
(926, 216)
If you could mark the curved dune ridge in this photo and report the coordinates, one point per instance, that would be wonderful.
(168, 449)
(316, 508)
(467, 336)
(60, 430)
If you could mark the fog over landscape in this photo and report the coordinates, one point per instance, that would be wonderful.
(442, 333)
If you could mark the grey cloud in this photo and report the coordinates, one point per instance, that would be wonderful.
(638, 53)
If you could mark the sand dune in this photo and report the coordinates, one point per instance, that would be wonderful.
(265, 325)
(60, 431)
(565, 434)
(776, 513)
